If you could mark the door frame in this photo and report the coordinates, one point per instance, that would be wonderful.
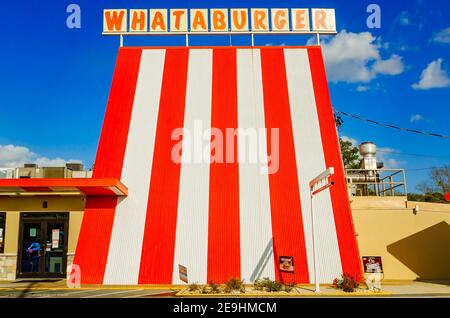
(44, 221)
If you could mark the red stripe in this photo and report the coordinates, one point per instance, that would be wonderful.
(93, 243)
(287, 224)
(339, 196)
(160, 226)
(223, 229)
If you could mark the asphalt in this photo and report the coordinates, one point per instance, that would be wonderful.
(59, 289)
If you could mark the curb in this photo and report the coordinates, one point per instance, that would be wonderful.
(85, 288)
(183, 293)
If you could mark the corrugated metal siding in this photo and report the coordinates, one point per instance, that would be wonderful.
(310, 163)
(255, 218)
(281, 88)
(191, 243)
(124, 255)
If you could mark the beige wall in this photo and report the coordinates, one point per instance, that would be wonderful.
(13, 206)
(412, 246)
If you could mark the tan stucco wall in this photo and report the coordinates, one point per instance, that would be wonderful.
(13, 206)
(412, 246)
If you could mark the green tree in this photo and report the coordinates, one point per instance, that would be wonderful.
(441, 178)
(434, 189)
(350, 155)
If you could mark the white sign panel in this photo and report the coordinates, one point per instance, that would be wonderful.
(202, 20)
(324, 20)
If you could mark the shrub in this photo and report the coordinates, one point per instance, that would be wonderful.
(194, 287)
(215, 288)
(258, 284)
(273, 286)
(234, 284)
(205, 290)
(347, 283)
(267, 284)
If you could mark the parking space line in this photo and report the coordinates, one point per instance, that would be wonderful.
(113, 293)
(60, 294)
(143, 295)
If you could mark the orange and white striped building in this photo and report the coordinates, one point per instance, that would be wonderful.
(219, 220)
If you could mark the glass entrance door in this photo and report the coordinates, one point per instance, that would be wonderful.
(31, 250)
(43, 246)
(54, 248)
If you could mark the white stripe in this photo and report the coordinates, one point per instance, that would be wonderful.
(310, 163)
(128, 230)
(255, 216)
(191, 245)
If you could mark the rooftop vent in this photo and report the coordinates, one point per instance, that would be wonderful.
(75, 166)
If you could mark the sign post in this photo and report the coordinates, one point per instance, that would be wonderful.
(317, 185)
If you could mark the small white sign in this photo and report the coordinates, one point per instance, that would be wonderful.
(55, 234)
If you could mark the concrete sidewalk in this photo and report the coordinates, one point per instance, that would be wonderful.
(59, 289)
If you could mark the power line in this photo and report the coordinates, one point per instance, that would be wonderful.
(412, 154)
(423, 169)
(392, 126)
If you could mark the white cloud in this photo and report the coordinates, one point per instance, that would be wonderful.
(392, 66)
(12, 156)
(352, 140)
(356, 58)
(442, 36)
(383, 155)
(362, 88)
(415, 118)
(433, 76)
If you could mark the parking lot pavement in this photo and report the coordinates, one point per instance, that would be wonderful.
(85, 293)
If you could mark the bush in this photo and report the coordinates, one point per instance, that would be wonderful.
(273, 286)
(259, 284)
(214, 288)
(347, 283)
(267, 285)
(234, 284)
(204, 290)
(194, 287)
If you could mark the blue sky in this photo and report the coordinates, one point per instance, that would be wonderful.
(54, 81)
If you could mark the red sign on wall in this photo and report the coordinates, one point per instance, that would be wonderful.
(287, 264)
(372, 264)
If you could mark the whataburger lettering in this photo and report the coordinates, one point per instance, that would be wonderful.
(218, 20)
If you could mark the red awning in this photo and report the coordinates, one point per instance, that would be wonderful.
(89, 187)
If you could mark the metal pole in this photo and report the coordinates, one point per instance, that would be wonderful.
(187, 39)
(376, 183)
(392, 186)
(316, 273)
(318, 39)
(404, 183)
(121, 40)
(253, 40)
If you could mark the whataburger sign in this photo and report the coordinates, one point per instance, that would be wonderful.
(173, 21)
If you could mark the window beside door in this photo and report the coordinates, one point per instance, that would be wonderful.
(2, 231)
